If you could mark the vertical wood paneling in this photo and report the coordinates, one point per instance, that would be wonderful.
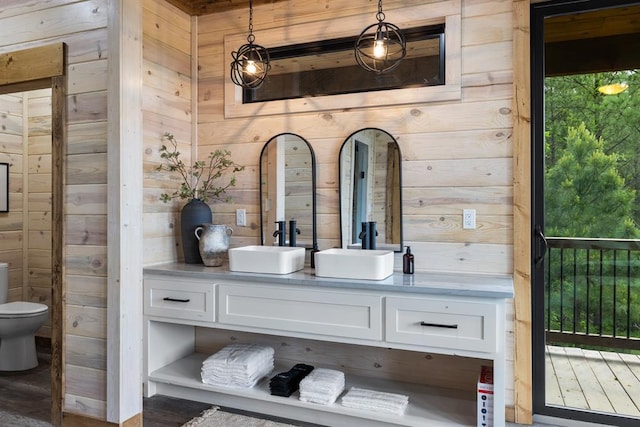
(523, 381)
(125, 182)
(58, 311)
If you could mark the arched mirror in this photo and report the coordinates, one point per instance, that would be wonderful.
(288, 191)
(371, 189)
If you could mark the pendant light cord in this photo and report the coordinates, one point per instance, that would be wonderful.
(380, 15)
(251, 38)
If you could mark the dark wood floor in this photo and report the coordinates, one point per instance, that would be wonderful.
(28, 394)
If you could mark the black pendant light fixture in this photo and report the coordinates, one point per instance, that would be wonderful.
(251, 61)
(381, 46)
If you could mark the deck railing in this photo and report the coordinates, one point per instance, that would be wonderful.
(593, 292)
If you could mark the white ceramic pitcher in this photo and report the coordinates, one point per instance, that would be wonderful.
(213, 243)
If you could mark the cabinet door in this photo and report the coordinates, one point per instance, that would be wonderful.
(324, 312)
(451, 324)
(179, 298)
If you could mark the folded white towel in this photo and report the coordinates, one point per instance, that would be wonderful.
(322, 386)
(238, 365)
(372, 400)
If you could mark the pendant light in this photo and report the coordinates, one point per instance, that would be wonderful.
(251, 61)
(613, 88)
(381, 46)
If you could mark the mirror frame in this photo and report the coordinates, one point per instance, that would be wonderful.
(344, 240)
(314, 232)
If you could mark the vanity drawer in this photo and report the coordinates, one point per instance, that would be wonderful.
(457, 325)
(323, 312)
(179, 299)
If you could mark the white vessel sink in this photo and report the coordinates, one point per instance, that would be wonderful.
(354, 264)
(266, 259)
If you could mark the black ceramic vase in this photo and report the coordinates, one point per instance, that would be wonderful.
(194, 214)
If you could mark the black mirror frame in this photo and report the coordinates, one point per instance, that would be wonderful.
(400, 249)
(314, 232)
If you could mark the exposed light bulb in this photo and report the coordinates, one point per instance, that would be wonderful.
(379, 49)
(251, 67)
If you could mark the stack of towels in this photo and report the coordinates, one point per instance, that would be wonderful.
(378, 401)
(285, 383)
(238, 365)
(322, 386)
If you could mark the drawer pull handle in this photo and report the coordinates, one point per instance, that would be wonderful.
(175, 299)
(438, 325)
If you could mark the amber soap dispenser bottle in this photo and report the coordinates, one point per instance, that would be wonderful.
(407, 261)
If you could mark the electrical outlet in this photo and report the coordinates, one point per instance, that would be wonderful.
(241, 217)
(469, 218)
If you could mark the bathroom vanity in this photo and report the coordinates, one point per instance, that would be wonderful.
(451, 314)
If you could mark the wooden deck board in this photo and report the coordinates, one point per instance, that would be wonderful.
(553, 393)
(615, 392)
(569, 386)
(628, 381)
(593, 380)
(584, 369)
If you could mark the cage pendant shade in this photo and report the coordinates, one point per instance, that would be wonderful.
(250, 64)
(380, 47)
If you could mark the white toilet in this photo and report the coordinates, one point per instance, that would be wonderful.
(19, 321)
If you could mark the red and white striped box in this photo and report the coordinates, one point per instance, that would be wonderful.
(485, 397)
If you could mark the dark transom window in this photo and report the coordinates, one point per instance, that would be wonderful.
(328, 67)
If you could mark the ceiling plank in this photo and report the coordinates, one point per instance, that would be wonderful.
(206, 7)
(596, 24)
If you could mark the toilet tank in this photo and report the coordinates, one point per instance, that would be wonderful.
(4, 282)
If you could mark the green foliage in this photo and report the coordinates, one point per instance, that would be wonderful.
(614, 119)
(585, 194)
(198, 181)
(592, 164)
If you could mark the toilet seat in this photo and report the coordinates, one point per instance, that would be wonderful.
(21, 309)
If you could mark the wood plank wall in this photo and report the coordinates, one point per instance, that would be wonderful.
(455, 155)
(11, 223)
(166, 108)
(26, 228)
(37, 254)
(82, 26)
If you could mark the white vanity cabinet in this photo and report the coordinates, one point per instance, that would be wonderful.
(281, 310)
(431, 314)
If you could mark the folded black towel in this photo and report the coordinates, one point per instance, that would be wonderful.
(285, 383)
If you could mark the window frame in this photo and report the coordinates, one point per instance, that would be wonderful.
(447, 12)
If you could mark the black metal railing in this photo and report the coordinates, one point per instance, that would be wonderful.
(593, 292)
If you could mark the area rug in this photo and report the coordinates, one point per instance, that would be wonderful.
(215, 418)
(8, 419)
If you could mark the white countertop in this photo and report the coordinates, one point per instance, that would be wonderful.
(445, 284)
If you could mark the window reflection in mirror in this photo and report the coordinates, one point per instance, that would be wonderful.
(371, 188)
(287, 189)
(328, 67)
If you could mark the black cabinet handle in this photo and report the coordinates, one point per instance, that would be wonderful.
(439, 325)
(175, 299)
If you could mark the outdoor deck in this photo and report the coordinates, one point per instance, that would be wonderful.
(595, 380)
